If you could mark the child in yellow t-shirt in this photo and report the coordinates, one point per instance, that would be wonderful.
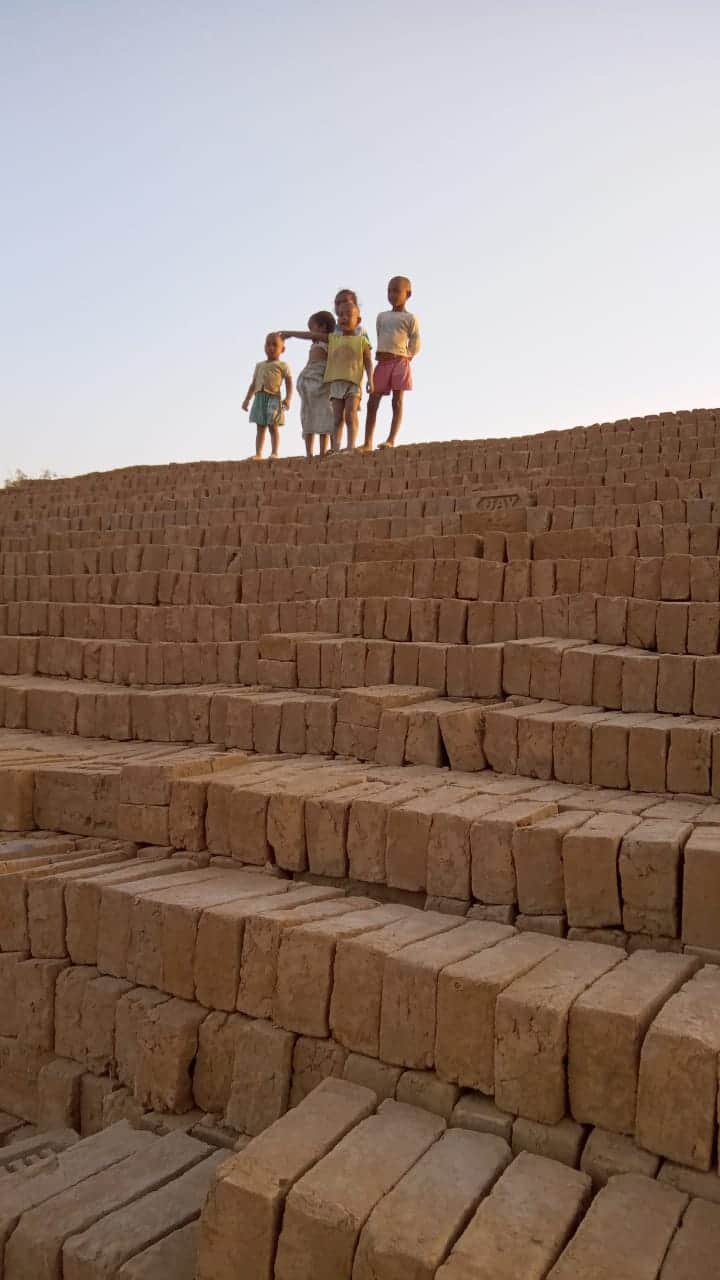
(268, 411)
(349, 354)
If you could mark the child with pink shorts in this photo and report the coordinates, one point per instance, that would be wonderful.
(398, 341)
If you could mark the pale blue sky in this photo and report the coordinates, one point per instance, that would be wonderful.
(179, 177)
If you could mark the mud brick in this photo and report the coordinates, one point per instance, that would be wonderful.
(367, 832)
(16, 799)
(305, 966)
(130, 1012)
(432, 666)
(677, 1086)
(217, 1045)
(676, 674)
(537, 855)
(590, 870)
(500, 742)
(671, 628)
(115, 917)
(492, 868)
(374, 618)
(423, 621)
(612, 609)
(82, 897)
(452, 626)
(397, 618)
(629, 1210)
(20, 1067)
(9, 1007)
(35, 996)
(260, 1087)
(355, 1004)
(607, 1154)
(647, 755)
(443, 1188)
(480, 622)
(379, 661)
(650, 865)
(647, 577)
(675, 578)
(406, 664)
(706, 700)
(242, 1216)
(517, 655)
(314, 1061)
(449, 845)
(462, 732)
(524, 1222)
(167, 1048)
(561, 1142)
(466, 998)
(408, 835)
(607, 1027)
(610, 744)
(556, 743)
(693, 1249)
(479, 1114)
(327, 1209)
(639, 681)
(689, 762)
(545, 667)
(59, 1095)
(286, 813)
(701, 882)
(326, 824)
(261, 945)
(702, 637)
(531, 1029)
(409, 990)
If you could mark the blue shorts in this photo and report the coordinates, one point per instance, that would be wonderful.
(266, 410)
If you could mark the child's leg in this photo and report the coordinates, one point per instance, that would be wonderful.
(338, 407)
(352, 408)
(260, 435)
(370, 418)
(309, 446)
(274, 439)
(324, 444)
(397, 414)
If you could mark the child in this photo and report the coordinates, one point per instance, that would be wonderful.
(349, 353)
(316, 413)
(267, 410)
(398, 340)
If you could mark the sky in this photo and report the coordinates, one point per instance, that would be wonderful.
(180, 177)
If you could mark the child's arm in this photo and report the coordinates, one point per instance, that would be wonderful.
(288, 390)
(250, 394)
(367, 361)
(414, 338)
(296, 333)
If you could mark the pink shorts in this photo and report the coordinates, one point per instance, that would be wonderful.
(392, 375)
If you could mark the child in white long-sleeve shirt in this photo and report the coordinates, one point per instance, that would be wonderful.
(398, 341)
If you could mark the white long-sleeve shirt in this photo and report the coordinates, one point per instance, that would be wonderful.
(398, 332)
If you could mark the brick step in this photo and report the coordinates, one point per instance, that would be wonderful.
(210, 558)
(670, 579)
(677, 754)
(667, 627)
(338, 1187)
(675, 525)
(631, 871)
(551, 1028)
(112, 1205)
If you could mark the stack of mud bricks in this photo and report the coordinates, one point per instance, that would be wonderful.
(399, 773)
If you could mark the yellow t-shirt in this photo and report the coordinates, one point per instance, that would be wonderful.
(345, 357)
(269, 376)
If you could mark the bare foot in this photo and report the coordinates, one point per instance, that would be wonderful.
(387, 444)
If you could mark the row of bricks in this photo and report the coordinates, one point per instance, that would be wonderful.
(204, 548)
(419, 832)
(156, 557)
(614, 1045)
(665, 627)
(675, 578)
(346, 1193)
(643, 488)
(648, 542)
